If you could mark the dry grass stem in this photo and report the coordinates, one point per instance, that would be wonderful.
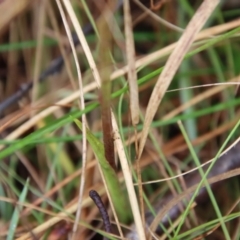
(173, 62)
(39, 50)
(200, 97)
(84, 122)
(128, 181)
(132, 75)
(83, 41)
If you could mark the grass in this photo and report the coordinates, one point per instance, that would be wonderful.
(41, 147)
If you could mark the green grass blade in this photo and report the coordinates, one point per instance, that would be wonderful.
(204, 180)
(16, 213)
(111, 178)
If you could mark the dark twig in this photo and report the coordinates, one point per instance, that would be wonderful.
(98, 201)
